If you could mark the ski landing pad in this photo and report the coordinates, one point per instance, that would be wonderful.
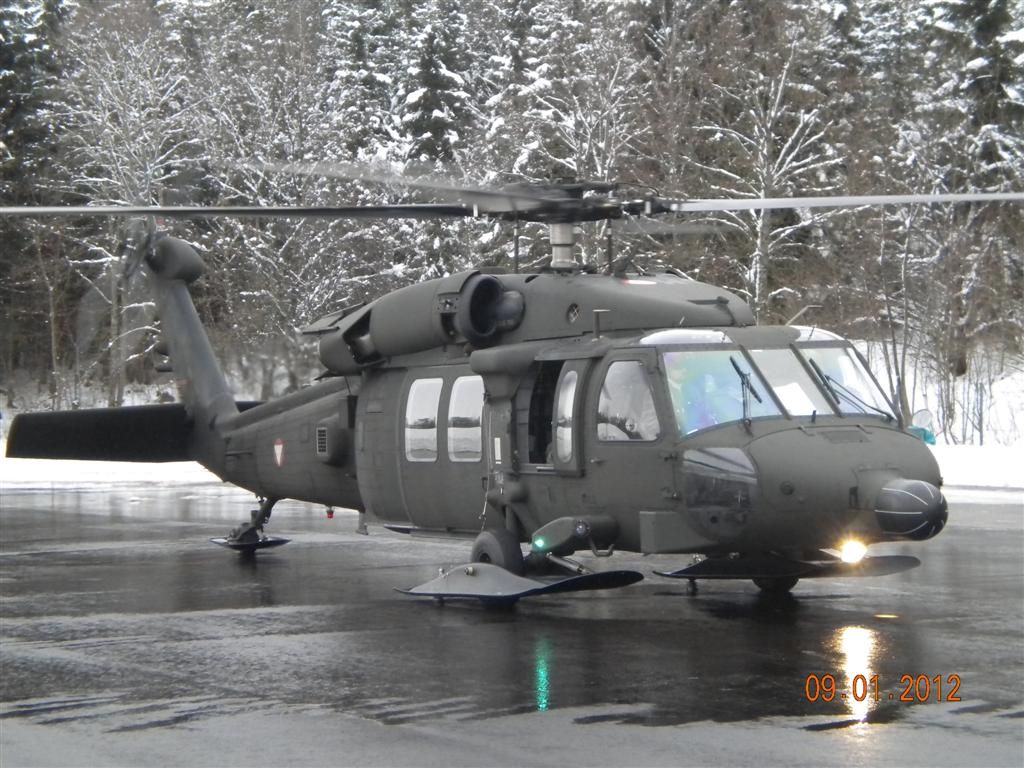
(771, 567)
(250, 546)
(492, 584)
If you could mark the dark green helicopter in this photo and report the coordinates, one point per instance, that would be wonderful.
(573, 408)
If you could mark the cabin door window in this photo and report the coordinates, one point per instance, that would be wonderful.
(464, 412)
(564, 417)
(421, 420)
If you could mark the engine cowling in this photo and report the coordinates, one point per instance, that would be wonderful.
(470, 307)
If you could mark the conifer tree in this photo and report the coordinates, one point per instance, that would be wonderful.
(32, 288)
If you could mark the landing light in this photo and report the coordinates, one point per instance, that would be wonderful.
(852, 551)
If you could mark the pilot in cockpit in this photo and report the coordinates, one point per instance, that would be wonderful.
(704, 392)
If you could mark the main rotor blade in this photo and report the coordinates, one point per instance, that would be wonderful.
(412, 211)
(741, 204)
(509, 199)
(667, 229)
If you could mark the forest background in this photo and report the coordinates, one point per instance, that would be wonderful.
(195, 101)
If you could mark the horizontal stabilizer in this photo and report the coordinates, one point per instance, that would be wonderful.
(136, 433)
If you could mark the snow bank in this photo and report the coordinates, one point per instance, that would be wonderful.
(963, 466)
(1001, 400)
(42, 473)
(981, 466)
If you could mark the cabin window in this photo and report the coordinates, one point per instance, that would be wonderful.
(563, 417)
(464, 414)
(625, 409)
(421, 420)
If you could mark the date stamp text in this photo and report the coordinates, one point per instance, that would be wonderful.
(912, 688)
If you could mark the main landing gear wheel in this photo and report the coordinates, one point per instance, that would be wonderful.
(776, 585)
(500, 547)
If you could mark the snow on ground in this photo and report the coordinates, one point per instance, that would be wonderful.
(1002, 401)
(981, 466)
(43, 473)
(932, 735)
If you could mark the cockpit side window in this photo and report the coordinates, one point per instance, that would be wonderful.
(625, 409)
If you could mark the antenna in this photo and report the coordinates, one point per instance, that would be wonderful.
(609, 250)
(515, 247)
(804, 309)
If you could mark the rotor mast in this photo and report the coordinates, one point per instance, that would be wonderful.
(562, 237)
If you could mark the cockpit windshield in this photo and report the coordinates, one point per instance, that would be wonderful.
(707, 388)
(847, 380)
(799, 394)
(711, 386)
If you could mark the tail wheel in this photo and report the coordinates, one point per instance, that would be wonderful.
(776, 585)
(500, 547)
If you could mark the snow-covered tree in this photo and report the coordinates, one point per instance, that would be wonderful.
(768, 149)
(127, 137)
(434, 111)
(180, 101)
(32, 291)
(359, 58)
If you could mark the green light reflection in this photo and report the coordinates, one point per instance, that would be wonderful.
(541, 680)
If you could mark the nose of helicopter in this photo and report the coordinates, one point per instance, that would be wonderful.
(821, 484)
(911, 509)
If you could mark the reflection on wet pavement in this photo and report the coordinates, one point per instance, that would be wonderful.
(122, 613)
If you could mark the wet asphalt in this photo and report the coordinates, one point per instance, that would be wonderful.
(117, 616)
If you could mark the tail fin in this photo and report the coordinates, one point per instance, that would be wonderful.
(174, 264)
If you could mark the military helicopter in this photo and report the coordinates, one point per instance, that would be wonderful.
(573, 408)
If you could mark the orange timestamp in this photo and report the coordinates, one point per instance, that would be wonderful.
(912, 688)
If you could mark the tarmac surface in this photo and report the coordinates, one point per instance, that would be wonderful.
(127, 638)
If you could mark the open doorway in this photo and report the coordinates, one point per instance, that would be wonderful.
(541, 398)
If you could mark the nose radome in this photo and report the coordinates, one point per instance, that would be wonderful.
(911, 509)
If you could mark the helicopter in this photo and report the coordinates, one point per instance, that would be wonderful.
(571, 408)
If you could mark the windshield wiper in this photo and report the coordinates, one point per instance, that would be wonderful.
(837, 391)
(852, 397)
(745, 387)
(826, 382)
(745, 380)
